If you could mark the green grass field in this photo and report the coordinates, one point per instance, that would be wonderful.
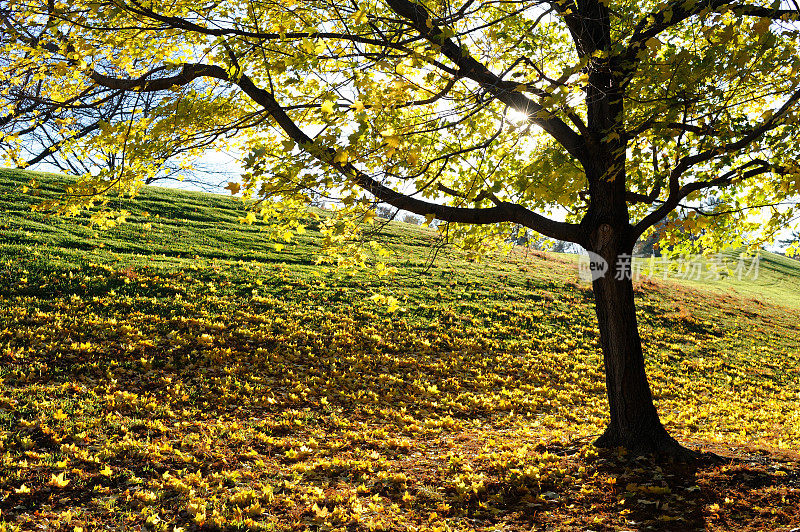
(176, 372)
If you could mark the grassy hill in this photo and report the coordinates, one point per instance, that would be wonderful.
(177, 371)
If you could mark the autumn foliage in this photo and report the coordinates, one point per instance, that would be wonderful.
(184, 384)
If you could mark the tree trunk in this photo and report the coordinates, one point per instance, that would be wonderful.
(634, 422)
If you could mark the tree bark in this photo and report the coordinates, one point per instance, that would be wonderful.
(634, 422)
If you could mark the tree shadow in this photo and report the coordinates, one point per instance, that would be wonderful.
(736, 491)
(744, 492)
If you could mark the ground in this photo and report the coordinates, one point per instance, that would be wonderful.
(177, 372)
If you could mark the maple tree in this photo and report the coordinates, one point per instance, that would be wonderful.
(475, 113)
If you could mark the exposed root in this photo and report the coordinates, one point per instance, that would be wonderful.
(656, 442)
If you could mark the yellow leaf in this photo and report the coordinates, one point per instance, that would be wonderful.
(342, 156)
(234, 187)
(22, 489)
(327, 107)
(359, 16)
(58, 481)
(106, 471)
(762, 26)
(321, 513)
(429, 218)
(653, 43)
(358, 106)
(308, 46)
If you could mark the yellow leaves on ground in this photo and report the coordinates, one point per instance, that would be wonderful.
(103, 219)
(391, 302)
(59, 481)
(231, 394)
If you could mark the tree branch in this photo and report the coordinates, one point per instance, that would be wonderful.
(676, 12)
(636, 197)
(189, 72)
(761, 12)
(677, 193)
(52, 149)
(675, 198)
(505, 91)
(181, 23)
(503, 212)
(707, 130)
(771, 123)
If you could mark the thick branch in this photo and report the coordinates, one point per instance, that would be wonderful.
(676, 12)
(505, 91)
(759, 11)
(635, 197)
(503, 212)
(707, 130)
(189, 72)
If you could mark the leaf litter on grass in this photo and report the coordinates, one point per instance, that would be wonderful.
(222, 393)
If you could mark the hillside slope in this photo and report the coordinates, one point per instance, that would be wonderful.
(190, 375)
(184, 225)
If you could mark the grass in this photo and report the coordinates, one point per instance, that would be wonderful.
(190, 376)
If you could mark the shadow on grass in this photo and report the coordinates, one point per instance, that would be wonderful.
(712, 492)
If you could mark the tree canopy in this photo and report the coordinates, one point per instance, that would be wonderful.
(606, 114)
(474, 112)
